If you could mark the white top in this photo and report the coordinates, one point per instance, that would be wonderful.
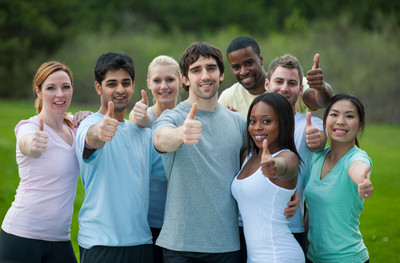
(262, 204)
(43, 205)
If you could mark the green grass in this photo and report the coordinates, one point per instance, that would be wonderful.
(379, 225)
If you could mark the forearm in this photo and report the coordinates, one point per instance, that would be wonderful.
(27, 148)
(315, 99)
(168, 139)
(92, 140)
(141, 122)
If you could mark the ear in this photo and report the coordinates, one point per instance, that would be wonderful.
(185, 81)
(261, 60)
(301, 90)
(133, 85)
(97, 86)
(38, 92)
(221, 77)
(266, 84)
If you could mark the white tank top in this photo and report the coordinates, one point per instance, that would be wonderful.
(262, 204)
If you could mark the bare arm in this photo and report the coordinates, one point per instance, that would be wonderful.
(34, 144)
(170, 139)
(320, 92)
(359, 173)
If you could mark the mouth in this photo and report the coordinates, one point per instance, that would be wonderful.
(340, 131)
(206, 86)
(247, 81)
(165, 93)
(119, 98)
(59, 103)
(259, 137)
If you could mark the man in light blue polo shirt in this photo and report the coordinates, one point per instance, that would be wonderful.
(116, 158)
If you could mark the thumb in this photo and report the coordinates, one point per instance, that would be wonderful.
(192, 112)
(110, 109)
(308, 119)
(316, 61)
(144, 97)
(265, 151)
(40, 124)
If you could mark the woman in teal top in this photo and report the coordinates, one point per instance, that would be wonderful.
(337, 184)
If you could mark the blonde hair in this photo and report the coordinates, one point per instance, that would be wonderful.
(43, 72)
(164, 61)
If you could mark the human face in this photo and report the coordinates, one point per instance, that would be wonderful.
(56, 92)
(343, 122)
(264, 124)
(117, 87)
(164, 83)
(285, 81)
(203, 79)
(247, 68)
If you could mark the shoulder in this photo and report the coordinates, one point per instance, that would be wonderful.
(231, 91)
(356, 154)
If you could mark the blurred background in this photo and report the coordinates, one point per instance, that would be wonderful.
(358, 40)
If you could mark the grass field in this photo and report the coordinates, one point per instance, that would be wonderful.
(380, 231)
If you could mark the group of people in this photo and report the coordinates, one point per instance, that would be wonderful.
(211, 179)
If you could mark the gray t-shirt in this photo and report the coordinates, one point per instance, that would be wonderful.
(201, 213)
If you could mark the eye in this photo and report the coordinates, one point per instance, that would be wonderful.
(212, 68)
(249, 63)
(156, 80)
(267, 121)
(50, 88)
(333, 114)
(252, 122)
(235, 67)
(126, 84)
(350, 116)
(66, 87)
(170, 80)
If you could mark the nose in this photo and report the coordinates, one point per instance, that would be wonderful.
(120, 88)
(243, 71)
(163, 85)
(59, 92)
(204, 74)
(257, 126)
(340, 119)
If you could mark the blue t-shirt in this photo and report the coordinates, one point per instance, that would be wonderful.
(116, 182)
(334, 209)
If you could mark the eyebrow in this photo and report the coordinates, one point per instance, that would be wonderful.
(114, 80)
(349, 111)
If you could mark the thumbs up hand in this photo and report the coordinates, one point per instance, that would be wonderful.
(107, 127)
(315, 78)
(365, 188)
(40, 139)
(268, 165)
(191, 127)
(313, 136)
(139, 114)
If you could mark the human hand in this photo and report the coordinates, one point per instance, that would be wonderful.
(80, 116)
(107, 127)
(293, 204)
(40, 139)
(191, 127)
(139, 111)
(231, 108)
(313, 136)
(365, 188)
(315, 78)
(268, 165)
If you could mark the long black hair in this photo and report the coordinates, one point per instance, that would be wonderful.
(284, 111)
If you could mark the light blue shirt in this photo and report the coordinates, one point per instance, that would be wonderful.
(116, 182)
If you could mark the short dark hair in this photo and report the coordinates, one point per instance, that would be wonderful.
(113, 61)
(243, 42)
(192, 54)
(284, 112)
(286, 61)
(354, 100)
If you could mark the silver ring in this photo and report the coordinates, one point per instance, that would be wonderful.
(366, 195)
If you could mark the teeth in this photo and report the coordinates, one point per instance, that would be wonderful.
(340, 131)
(59, 103)
(258, 137)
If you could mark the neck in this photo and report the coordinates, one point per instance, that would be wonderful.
(204, 104)
(260, 88)
(159, 107)
(340, 149)
(55, 121)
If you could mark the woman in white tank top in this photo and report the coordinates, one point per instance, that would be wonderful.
(267, 181)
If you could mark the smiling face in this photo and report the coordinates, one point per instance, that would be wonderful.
(285, 81)
(56, 92)
(203, 79)
(164, 82)
(343, 122)
(247, 68)
(264, 124)
(117, 87)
